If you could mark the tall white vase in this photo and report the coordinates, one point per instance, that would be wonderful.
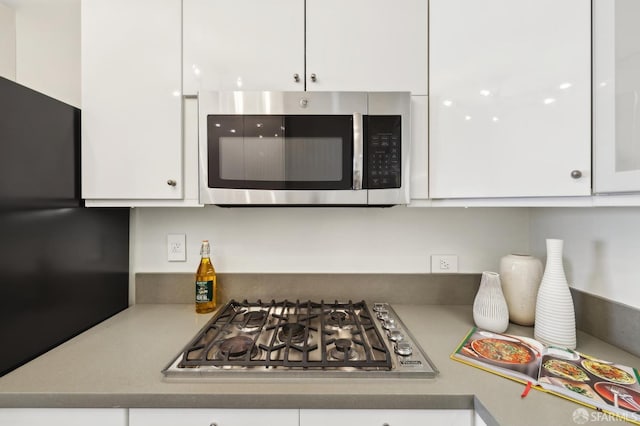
(555, 315)
(521, 275)
(490, 310)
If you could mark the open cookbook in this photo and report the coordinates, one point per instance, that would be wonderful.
(596, 383)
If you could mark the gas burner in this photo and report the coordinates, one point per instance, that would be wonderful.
(236, 347)
(292, 332)
(252, 320)
(343, 351)
(339, 320)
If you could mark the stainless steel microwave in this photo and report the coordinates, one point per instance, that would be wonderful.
(304, 148)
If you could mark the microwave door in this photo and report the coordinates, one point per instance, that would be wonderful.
(284, 159)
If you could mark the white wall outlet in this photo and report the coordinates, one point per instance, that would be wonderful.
(444, 263)
(176, 247)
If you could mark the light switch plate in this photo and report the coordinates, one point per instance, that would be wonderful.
(176, 247)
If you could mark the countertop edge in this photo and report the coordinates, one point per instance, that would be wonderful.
(257, 401)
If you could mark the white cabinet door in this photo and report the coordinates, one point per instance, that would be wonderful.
(131, 99)
(388, 417)
(616, 90)
(509, 98)
(360, 45)
(63, 416)
(243, 45)
(207, 417)
(367, 45)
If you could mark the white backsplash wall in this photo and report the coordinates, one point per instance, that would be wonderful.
(48, 47)
(316, 240)
(601, 248)
(7, 42)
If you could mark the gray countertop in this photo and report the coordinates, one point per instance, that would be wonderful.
(118, 363)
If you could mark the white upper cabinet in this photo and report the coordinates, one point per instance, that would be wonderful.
(131, 100)
(243, 45)
(616, 90)
(359, 45)
(509, 98)
(367, 45)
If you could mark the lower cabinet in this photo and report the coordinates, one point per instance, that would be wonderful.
(387, 417)
(211, 417)
(63, 416)
(232, 417)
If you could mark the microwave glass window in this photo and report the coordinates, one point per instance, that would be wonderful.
(313, 159)
(280, 152)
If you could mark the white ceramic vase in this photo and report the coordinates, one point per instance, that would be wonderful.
(490, 310)
(555, 316)
(521, 275)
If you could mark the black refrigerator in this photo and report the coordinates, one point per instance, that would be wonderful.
(63, 267)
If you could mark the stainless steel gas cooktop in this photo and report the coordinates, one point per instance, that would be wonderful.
(302, 339)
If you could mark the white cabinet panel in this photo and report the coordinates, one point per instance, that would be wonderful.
(616, 90)
(367, 45)
(207, 417)
(419, 185)
(509, 101)
(131, 99)
(360, 45)
(389, 417)
(63, 416)
(243, 45)
(477, 420)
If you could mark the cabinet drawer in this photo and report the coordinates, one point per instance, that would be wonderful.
(210, 417)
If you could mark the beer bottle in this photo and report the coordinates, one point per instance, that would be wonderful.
(206, 285)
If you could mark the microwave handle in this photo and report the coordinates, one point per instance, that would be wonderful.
(358, 144)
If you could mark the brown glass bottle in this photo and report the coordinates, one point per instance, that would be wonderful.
(206, 282)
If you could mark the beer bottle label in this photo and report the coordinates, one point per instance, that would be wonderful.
(204, 291)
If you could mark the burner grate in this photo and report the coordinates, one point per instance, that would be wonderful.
(292, 335)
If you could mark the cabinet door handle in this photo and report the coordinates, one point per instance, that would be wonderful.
(296, 78)
(385, 424)
(576, 174)
(171, 182)
(214, 424)
(314, 78)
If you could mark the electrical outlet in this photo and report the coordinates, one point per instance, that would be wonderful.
(176, 248)
(444, 263)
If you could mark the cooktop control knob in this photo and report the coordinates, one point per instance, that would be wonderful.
(378, 307)
(389, 324)
(383, 315)
(395, 335)
(404, 348)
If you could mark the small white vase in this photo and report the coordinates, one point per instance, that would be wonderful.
(555, 315)
(490, 310)
(521, 275)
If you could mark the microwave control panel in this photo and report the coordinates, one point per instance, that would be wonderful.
(382, 151)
